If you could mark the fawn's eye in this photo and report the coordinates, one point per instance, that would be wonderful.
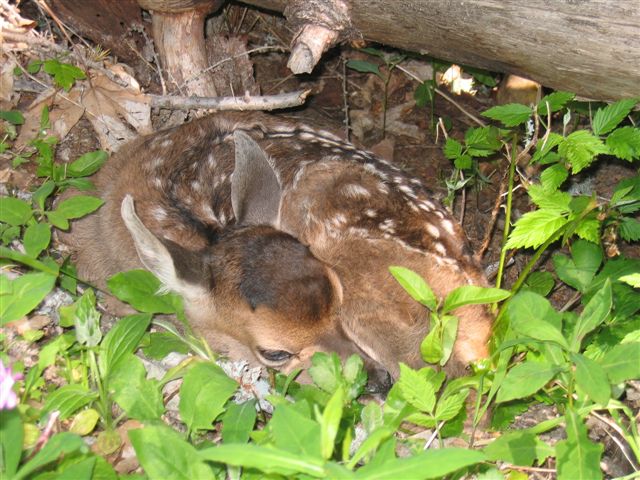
(275, 357)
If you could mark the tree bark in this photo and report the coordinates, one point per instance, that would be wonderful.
(590, 47)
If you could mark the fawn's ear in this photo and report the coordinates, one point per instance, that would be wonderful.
(157, 258)
(255, 189)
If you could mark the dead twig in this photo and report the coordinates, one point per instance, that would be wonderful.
(494, 217)
(265, 102)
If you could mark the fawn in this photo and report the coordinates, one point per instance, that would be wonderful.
(279, 238)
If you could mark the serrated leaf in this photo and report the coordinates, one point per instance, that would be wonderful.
(554, 176)
(591, 378)
(577, 456)
(449, 406)
(36, 238)
(545, 146)
(14, 211)
(78, 206)
(204, 391)
(483, 141)
(560, 201)
(556, 101)
(472, 295)
(139, 288)
(64, 74)
(533, 316)
(580, 148)
(415, 286)
(624, 143)
(68, 399)
(452, 148)
(630, 229)
(607, 118)
(325, 371)
(122, 340)
(525, 379)
(622, 362)
(589, 229)
(87, 164)
(25, 293)
(463, 162)
(510, 115)
(535, 228)
(238, 422)
(416, 389)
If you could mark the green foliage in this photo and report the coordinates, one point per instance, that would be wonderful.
(64, 74)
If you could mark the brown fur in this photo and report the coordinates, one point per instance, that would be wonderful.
(305, 267)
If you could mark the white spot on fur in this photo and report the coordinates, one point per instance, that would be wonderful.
(432, 230)
(371, 213)
(166, 143)
(223, 218)
(208, 212)
(354, 190)
(157, 181)
(388, 226)
(196, 186)
(156, 162)
(440, 248)
(382, 188)
(211, 160)
(159, 213)
(448, 226)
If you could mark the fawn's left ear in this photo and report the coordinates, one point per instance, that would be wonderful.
(255, 189)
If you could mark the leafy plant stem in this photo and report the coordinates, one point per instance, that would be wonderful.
(103, 395)
(507, 221)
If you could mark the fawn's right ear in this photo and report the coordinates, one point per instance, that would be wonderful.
(255, 188)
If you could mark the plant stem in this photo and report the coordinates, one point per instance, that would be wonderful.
(103, 395)
(507, 215)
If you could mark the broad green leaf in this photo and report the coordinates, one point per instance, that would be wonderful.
(427, 464)
(14, 117)
(416, 389)
(26, 292)
(613, 269)
(330, 423)
(140, 398)
(238, 422)
(68, 399)
(510, 115)
(624, 143)
(594, 313)
(87, 320)
(622, 362)
(78, 206)
(267, 460)
(371, 417)
(533, 316)
(525, 379)
(452, 148)
(57, 220)
(629, 229)
(449, 406)
(503, 415)
(483, 141)
(87, 164)
(139, 289)
(424, 94)
(463, 162)
(64, 74)
(608, 118)
(580, 148)
(294, 432)
(36, 238)
(544, 199)
(431, 346)
(165, 455)
(472, 295)
(518, 448)
(11, 438)
(539, 282)
(14, 211)
(578, 271)
(84, 422)
(632, 279)
(162, 344)
(556, 101)
(363, 66)
(535, 228)
(415, 286)
(449, 335)
(552, 177)
(60, 444)
(204, 391)
(326, 371)
(47, 265)
(577, 457)
(42, 193)
(371, 443)
(122, 340)
(544, 149)
(591, 378)
(82, 470)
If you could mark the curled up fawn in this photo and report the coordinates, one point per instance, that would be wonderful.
(279, 238)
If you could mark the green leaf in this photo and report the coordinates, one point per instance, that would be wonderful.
(533, 316)
(426, 464)
(624, 143)
(424, 94)
(607, 118)
(452, 148)
(325, 371)
(504, 415)
(589, 229)
(87, 164)
(416, 389)
(539, 282)
(525, 379)
(162, 344)
(267, 460)
(165, 455)
(556, 101)
(84, 422)
(630, 229)
(449, 335)
(64, 74)
(463, 162)
(330, 422)
(622, 362)
(204, 391)
(24, 294)
(82, 470)
(594, 313)
(591, 378)
(510, 115)
(43, 192)
(578, 272)
(36, 238)
(415, 286)
(14, 117)
(552, 177)
(140, 398)
(11, 438)
(549, 200)
(57, 220)
(472, 295)
(431, 346)
(363, 66)
(61, 444)
(519, 448)
(482, 142)
(632, 279)
(87, 320)
(449, 406)
(294, 432)
(14, 211)
(535, 228)
(78, 206)
(580, 148)
(122, 340)
(139, 288)
(544, 148)
(68, 399)
(577, 456)
(238, 422)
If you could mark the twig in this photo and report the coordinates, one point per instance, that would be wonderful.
(266, 102)
(494, 217)
(508, 466)
(617, 441)
(345, 97)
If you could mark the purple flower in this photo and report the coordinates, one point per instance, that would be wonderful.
(8, 398)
